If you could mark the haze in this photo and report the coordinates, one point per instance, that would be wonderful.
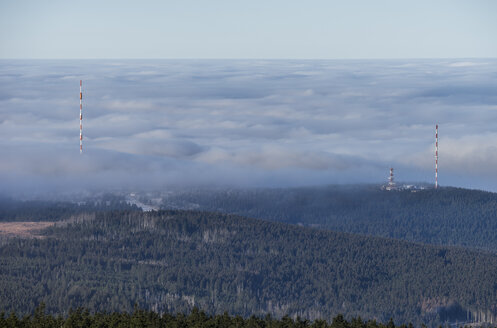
(164, 123)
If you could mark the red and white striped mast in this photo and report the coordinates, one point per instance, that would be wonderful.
(391, 182)
(80, 117)
(436, 156)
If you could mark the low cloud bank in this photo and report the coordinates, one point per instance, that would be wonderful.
(245, 123)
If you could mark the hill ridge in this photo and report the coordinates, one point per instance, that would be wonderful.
(445, 216)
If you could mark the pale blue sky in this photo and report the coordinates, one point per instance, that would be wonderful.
(248, 29)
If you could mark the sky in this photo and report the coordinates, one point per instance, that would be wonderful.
(257, 29)
(159, 124)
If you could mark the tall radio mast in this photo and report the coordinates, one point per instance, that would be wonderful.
(80, 117)
(436, 156)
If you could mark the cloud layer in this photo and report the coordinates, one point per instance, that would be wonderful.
(245, 123)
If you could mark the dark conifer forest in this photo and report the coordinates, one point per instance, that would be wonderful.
(12, 210)
(444, 216)
(173, 261)
(148, 319)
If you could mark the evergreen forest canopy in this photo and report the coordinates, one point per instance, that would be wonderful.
(149, 319)
(12, 210)
(444, 216)
(170, 261)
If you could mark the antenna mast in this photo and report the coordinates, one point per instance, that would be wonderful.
(391, 183)
(436, 156)
(80, 117)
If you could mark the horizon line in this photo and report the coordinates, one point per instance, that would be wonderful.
(247, 58)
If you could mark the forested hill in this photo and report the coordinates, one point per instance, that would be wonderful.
(174, 260)
(43, 210)
(444, 216)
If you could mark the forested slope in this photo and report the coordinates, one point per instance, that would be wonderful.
(174, 260)
(42, 210)
(446, 216)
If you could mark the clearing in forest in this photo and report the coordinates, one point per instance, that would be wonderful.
(23, 229)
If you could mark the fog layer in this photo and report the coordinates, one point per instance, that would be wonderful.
(159, 124)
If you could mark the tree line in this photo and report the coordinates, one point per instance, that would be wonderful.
(82, 318)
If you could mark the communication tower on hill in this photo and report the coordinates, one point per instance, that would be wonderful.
(80, 117)
(391, 183)
(436, 156)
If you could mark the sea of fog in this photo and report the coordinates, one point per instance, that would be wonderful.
(245, 123)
